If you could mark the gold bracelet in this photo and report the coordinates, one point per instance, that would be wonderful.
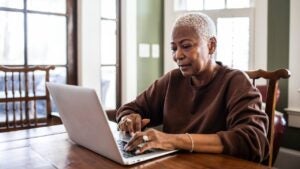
(191, 141)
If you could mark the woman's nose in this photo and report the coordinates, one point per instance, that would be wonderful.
(179, 54)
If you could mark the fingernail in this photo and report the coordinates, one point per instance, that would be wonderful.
(137, 152)
(132, 133)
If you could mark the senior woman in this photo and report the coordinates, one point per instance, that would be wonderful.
(203, 105)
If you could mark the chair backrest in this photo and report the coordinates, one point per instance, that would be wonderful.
(271, 99)
(24, 99)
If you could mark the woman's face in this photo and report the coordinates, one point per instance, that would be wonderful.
(191, 52)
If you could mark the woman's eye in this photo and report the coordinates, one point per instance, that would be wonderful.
(173, 49)
(186, 46)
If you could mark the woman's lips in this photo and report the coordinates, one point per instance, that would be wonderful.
(184, 66)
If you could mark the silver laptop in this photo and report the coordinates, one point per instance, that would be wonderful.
(87, 124)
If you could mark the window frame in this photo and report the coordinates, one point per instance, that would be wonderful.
(71, 33)
(255, 53)
(237, 12)
(117, 65)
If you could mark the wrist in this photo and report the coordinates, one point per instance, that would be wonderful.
(180, 141)
(192, 142)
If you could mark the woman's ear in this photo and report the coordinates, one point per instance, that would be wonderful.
(212, 45)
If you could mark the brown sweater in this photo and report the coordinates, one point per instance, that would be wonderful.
(228, 105)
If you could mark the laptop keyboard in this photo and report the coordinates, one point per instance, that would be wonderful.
(128, 154)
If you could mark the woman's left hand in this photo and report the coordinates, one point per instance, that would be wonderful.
(149, 139)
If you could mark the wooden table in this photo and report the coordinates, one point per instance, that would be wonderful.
(50, 147)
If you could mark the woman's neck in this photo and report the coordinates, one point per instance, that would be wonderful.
(205, 76)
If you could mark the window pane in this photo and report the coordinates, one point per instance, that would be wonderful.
(39, 106)
(9, 81)
(2, 88)
(108, 9)
(46, 39)
(193, 5)
(57, 6)
(238, 3)
(58, 75)
(108, 42)
(214, 4)
(180, 5)
(108, 87)
(188, 5)
(12, 80)
(11, 38)
(233, 42)
(12, 3)
(39, 83)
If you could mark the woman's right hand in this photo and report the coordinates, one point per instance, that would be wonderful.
(132, 123)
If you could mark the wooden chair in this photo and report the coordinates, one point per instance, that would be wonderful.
(24, 99)
(272, 88)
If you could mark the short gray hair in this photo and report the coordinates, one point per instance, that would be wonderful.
(201, 23)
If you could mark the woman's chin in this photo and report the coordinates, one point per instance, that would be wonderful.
(186, 73)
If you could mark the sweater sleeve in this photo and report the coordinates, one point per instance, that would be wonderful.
(247, 124)
(149, 104)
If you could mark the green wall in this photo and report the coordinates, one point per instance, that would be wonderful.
(278, 43)
(278, 57)
(149, 31)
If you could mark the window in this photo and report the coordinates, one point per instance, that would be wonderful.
(233, 19)
(39, 32)
(110, 54)
(197, 5)
(233, 37)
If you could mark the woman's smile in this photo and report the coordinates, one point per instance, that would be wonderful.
(184, 67)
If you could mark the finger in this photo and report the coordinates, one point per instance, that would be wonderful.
(138, 121)
(129, 126)
(133, 143)
(145, 147)
(121, 124)
(145, 122)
